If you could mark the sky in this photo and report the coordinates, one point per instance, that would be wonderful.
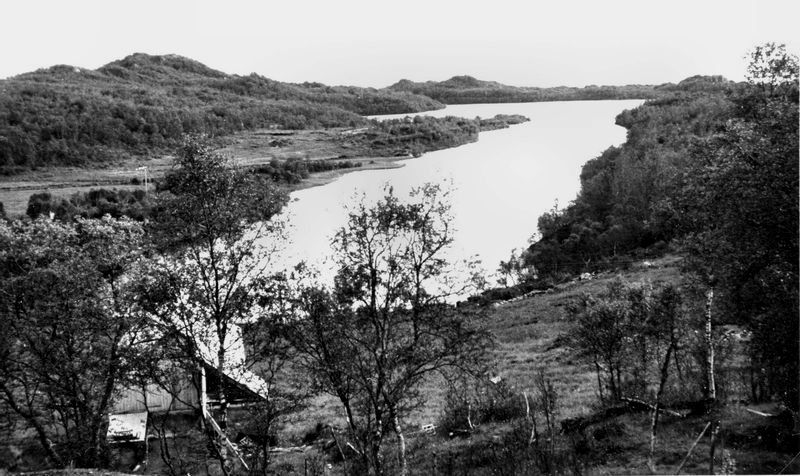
(376, 43)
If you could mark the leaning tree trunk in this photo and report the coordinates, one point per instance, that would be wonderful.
(654, 420)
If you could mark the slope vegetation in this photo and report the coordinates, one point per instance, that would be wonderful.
(143, 104)
(468, 90)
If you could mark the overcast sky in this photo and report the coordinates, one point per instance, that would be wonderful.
(374, 43)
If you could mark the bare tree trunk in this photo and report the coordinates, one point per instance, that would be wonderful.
(711, 388)
(534, 438)
(223, 406)
(599, 380)
(713, 448)
(401, 442)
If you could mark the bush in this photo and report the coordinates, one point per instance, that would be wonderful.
(483, 403)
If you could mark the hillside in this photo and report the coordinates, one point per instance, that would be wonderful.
(143, 105)
(469, 90)
(535, 333)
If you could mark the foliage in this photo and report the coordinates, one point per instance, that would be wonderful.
(414, 136)
(95, 203)
(293, 171)
(626, 201)
(628, 331)
(468, 90)
(213, 220)
(409, 136)
(144, 104)
(711, 168)
(71, 328)
(385, 327)
(271, 356)
(739, 202)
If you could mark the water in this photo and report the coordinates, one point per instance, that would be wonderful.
(501, 184)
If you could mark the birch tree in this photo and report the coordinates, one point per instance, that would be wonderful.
(386, 325)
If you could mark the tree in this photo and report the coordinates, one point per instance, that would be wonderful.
(771, 66)
(633, 332)
(271, 356)
(740, 207)
(514, 271)
(71, 328)
(385, 326)
(214, 221)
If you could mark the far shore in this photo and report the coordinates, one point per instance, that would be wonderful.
(64, 182)
(367, 163)
(249, 149)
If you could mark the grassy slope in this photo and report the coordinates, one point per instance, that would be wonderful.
(530, 334)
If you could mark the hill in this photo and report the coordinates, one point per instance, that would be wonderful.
(469, 90)
(143, 104)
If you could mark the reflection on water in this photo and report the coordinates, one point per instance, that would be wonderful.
(501, 184)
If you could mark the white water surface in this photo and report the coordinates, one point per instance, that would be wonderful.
(501, 184)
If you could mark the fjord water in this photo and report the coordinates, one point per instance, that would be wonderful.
(500, 184)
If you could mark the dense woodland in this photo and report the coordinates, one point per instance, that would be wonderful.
(468, 90)
(708, 174)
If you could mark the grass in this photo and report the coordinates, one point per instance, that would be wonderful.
(531, 336)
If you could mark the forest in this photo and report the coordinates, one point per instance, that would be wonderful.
(469, 90)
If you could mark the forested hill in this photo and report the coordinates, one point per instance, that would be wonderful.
(712, 173)
(65, 115)
(629, 194)
(468, 90)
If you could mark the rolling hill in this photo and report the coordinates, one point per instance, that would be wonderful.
(144, 104)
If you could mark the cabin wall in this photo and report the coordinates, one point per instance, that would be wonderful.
(184, 395)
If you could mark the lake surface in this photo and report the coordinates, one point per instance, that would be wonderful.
(501, 184)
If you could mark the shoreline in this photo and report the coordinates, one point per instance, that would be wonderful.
(247, 149)
(317, 179)
(63, 182)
